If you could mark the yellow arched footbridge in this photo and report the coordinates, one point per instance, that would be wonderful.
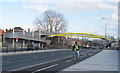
(74, 34)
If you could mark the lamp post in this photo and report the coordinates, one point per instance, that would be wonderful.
(105, 31)
(105, 27)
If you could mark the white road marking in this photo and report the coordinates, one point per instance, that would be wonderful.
(90, 54)
(69, 60)
(45, 68)
(7, 61)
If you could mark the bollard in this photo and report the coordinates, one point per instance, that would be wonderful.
(21, 48)
(15, 48)
(7, 49)
(27, 49)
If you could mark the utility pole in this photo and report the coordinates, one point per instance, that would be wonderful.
(105, 31)
(105, 35)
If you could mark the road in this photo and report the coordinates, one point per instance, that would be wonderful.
(46, 61)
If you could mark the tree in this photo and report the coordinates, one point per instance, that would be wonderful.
(52, 22)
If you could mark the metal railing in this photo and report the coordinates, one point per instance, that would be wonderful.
(24, 36)
(20, 48)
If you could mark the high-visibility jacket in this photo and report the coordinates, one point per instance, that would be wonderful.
(76, 47)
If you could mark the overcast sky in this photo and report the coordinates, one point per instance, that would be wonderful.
(83, 15)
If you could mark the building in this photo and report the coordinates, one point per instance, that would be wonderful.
(1, 37)
(18, 37)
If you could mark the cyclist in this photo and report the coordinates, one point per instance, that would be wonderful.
(76, 49)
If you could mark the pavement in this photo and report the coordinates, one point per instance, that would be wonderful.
(106, 61)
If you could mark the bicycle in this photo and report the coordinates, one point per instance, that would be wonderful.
(76, 55)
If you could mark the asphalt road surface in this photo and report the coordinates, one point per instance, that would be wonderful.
(53, 61)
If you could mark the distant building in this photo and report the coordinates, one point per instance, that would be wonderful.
(18, 37)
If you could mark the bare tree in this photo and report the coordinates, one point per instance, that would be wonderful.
(52, 22)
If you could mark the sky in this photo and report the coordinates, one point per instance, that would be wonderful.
(85, 16)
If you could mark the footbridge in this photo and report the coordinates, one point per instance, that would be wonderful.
(75, 34)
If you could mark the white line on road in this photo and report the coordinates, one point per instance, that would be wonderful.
(69, 60)
(7, 61)
(81, 56)
(45, 68)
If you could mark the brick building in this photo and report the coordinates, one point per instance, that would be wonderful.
(1, 37)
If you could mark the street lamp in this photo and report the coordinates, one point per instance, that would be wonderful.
(105, 27)
(105, 31)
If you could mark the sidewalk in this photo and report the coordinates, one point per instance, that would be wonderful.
(27, 52)
(106, 60)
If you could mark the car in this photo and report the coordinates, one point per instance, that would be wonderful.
(94, 47)
(101, 47)
(36, 46)
(30, 47)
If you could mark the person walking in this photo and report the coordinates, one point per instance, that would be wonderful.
(76, 49)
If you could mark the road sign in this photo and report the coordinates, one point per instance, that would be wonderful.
(16, 39)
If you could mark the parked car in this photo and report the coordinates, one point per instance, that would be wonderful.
(93, 47)
(101, 47)
(36, 46)
(30, 47)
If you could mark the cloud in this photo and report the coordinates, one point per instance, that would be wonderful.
(71, 5)
(38, 8)
(113, 0)
(59, 0)
(80, 6)
(114, 16)
(97, 0)
(113, 26)
(110, 19)
(92, 5)
(84, 6)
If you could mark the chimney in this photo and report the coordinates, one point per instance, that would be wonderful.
(6, 30)
(28, 29)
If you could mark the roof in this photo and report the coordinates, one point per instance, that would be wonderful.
(18, 28)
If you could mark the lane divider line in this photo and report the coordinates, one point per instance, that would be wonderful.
(69, 60)
(82, 56)
(45, 68)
